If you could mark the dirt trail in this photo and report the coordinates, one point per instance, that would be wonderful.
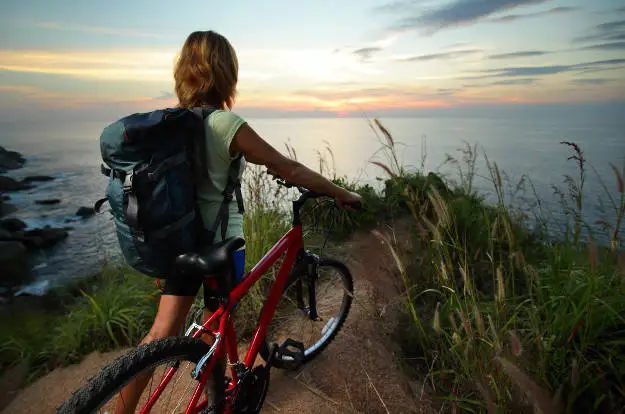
(357, 373)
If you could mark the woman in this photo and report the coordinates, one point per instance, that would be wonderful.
(206, 74)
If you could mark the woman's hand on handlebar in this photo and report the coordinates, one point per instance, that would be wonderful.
(346, 200)
(349, 201)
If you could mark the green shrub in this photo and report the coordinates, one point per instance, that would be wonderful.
(116, 310)
(499, 321)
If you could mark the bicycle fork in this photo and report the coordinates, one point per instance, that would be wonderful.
(311, 276)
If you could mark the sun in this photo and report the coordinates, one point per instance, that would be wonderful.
(342, 114)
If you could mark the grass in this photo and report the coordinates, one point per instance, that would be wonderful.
(498, 320)
(111, 309)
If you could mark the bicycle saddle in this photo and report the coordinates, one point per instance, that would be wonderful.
(211, 261)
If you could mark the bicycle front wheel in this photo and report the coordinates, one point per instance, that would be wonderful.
(148, 365)
(333, 294)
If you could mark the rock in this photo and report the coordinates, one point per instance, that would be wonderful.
(6, 208)
(13, 224)
(9, 184)
(10, 160)
(33, 178)
(6, 235)
(46, 237)
(48, 201)
(32, 242)
(85, 212)
(14, 263)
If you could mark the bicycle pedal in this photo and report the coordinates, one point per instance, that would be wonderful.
(291, 354)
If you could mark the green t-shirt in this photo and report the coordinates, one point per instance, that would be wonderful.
(221, 126)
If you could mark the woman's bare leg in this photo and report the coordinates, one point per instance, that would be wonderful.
(169, 321)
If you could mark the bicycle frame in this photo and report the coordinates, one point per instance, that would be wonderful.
(291, 243)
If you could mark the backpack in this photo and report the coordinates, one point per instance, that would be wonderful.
(153, 161)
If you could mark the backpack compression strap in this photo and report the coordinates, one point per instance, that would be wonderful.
(233, 187)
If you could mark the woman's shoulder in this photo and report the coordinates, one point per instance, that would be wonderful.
(225, 124)
(219, 117)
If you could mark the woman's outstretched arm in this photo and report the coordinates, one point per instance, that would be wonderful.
(258, 151)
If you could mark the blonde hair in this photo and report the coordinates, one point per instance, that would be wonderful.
(206, 72)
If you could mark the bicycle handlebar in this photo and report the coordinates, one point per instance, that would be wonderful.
(306, 194)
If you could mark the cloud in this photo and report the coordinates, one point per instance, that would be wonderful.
(397, 7)
(610, 26)
(590, 81)
(450, 14)
(522, 81)
(513, 17)
(546, 70)
(606, 46)
(382, 96)
(387, 40)
(337, 94)
(28, 91)
(597, 70)
(606, 32)
(109, 31)
(440, 56)
(140, 65)
(448, 91)
(457, 45)
(607, 37)
(507, 82)
(365, 53)
(524, 53)
(165, 96)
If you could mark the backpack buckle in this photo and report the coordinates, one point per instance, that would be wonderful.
(139, 235)
(127, 186)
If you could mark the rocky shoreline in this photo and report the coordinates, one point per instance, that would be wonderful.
(17, 241)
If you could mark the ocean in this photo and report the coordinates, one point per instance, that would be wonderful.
(70, 152)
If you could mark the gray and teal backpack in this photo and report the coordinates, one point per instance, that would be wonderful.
(153, 161)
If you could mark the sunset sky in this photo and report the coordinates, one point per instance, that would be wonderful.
(336, 58)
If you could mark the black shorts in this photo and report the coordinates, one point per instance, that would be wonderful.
(189, 286)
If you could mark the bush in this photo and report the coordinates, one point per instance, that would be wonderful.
(500, 321)
(116, 310)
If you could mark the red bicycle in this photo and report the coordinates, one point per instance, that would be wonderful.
(302, 287)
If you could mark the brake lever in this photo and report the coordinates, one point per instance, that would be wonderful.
(274, 175)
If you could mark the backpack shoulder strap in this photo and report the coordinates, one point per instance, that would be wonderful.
(233, 183)
(199, 141)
